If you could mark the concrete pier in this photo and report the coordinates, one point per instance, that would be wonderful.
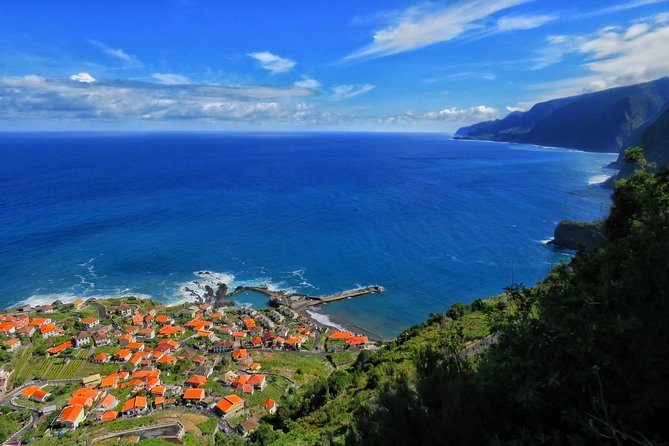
(301, 301)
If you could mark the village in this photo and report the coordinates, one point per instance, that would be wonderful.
(89, 364)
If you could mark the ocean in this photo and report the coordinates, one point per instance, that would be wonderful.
(432, 220)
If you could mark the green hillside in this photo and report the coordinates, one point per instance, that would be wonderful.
(581, 358)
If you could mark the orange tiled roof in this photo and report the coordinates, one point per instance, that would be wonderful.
(340, 335)
(226, 403)
(89, 320)
(269, 403)
(198, 380)
(240, 354)
(71, 413)
(108, 416)
(357, 340)
(194, 394)
(47, 328)
(28, 391)
(138, 402)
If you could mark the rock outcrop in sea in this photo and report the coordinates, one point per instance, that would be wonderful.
(572, 234)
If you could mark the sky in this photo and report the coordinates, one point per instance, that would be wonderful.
(302, 65)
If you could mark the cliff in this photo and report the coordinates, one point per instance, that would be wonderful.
(599, 122)
(576, 234)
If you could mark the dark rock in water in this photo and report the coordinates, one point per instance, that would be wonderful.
(576, 234)
(222, 291)
(221, 298)
(209, 292)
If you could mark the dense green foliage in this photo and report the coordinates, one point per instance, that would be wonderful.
(581, 358)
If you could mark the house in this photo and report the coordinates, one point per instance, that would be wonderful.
(27, 331)
(193, 395)
(206, 334)
(357, 341)
(84, 400)
(4, 379)
(89, 322)
(46, 309)
(270, 406)
(276, 316)
(39, 321)
(146, 333)
(134, 406)
(170, 330)
(188, 312)
(108, 402)
(164, 320)
(295, 343)
(167, 359)
(53, 351)
(101, 358)
(158, 390)
(196, 381)
(255, 367)
(82, 339)
(230, 405)
(12, 344)
(108, 416)
(8, 328)
(126, 339)
(24, 308)
(137, 346)
(40, 396)
(78, 304)
(246, 427)
(123, 310)
(100, 339)
(258, 381)
(123, 355)
(137, 319)
(288, 312)
(71, 416)
(229, 377)
(109, 381)
(239, 355)
(48, 330)
(223, 347)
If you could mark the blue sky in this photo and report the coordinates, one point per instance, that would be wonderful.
(313, 65)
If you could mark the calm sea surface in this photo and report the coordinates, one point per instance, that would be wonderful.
(432, 220)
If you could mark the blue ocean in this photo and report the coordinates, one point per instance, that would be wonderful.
(432, 220)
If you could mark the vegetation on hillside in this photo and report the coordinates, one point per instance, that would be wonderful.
(581, 358)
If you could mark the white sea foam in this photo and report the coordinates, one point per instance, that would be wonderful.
(43, 299)
(299, 273)
(546, 242)
(324, 319)
(598, 179)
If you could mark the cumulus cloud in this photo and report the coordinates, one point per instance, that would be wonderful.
(614, 56)
(83, 78)
(28, 97)
(308, 83)
(447, 115)
(273, 63)
(117, 54)
(431, 23)
(170, 79)
(341, 92)
(514, 109)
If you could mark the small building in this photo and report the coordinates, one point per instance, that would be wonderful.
(48, 331)
(71, 416)
(258, 381)
(12, 344)
(123, 310)
(110, 415)
(146, 333)
(89, 322)
(247, 427)
(92, 380)
(193, 395)
(108, 402)
(78, 304)
(240, 355)
(196, 381)
(100, 358)
(40, 396)
(53, 351)
(27, 331)
(134, 406)
(223, 347)
(82, 339)
(100, 339)
(229, 406)
(46, 309)
(270, 406)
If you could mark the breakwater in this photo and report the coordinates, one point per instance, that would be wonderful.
(298, 301)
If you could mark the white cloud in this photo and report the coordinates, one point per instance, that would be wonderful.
(37, 97)
(514, 109)
(272, 62)
(341, 92)
(511, 23)
(615, 56)
(83, 77)
(624, 6)
(449, 114)
(311, 84)
(170, 79)
(117, 54)
(431, 23)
